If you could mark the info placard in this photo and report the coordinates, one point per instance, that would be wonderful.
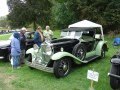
(92, 75)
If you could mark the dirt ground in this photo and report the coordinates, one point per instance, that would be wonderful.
(6, 81)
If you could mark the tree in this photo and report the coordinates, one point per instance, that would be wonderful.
(3, 22)
(62, 15)
(105, 12)
(25, 12)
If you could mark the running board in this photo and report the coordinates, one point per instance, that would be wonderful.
(41, 67)
(90, 59)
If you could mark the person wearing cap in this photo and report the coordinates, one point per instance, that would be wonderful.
(38, 36)
(15, 50)
(22, 45)
(48, 33)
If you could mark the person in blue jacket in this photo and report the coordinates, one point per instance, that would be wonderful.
(38, 36)
(15, 49)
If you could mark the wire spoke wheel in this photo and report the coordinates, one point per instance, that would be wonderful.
(80, 53)
(62, 67)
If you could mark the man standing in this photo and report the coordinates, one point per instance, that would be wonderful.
(48, 33)
(22, 45)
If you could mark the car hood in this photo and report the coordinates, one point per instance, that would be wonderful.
(4, 43)
(63, 41)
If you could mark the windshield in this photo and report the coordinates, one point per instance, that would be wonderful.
(71, 34)
(63, 34)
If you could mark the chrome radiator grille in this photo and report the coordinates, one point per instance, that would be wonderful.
(46, 58)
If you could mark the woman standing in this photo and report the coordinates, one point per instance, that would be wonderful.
(15, 49)
(38, 36)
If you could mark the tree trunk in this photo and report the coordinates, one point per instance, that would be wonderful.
(34, 25)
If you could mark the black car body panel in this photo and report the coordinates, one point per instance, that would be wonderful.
(65, 43)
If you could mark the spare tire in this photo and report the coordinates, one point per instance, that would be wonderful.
(79, 51)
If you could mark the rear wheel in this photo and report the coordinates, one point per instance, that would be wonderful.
(114, 82)
(62, 67)
(102, 53)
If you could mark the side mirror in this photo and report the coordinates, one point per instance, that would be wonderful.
(97, 36)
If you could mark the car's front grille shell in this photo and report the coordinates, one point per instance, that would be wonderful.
(44, 55)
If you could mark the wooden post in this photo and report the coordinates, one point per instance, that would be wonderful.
(91, 86)
(92, 82)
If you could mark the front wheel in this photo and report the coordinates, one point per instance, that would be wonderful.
(62, 67)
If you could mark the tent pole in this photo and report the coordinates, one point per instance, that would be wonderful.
(102, 33)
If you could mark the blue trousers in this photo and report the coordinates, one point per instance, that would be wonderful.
(16, 61)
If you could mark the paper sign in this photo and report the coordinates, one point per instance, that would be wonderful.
(92, 75)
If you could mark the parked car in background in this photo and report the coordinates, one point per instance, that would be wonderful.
(5, 45)
(82, 42)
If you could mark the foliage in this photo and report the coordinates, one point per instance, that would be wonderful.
(112, 15)
(62, 16)
(61, 13)
(3, 22)
(105, 12)
(25, 12)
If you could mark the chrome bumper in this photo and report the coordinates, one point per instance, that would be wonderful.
(40, 67)
(113, 75)
(1, 57)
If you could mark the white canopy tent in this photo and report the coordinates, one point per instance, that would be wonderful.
(86, 23)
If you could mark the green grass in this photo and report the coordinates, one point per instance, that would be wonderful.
(5, 36)
(3, 29)
(27, 79)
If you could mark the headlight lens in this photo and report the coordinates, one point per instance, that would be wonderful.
(48, 50)
(35, 46)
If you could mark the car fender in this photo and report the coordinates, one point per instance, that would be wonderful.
(99, 47)
(59, 55)
(30, 51)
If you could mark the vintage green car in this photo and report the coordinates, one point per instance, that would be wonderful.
(82, 42)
